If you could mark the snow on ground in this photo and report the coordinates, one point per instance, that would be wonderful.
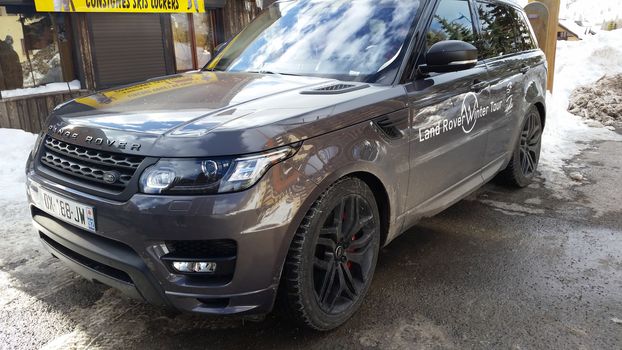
(51, 87)
(16, 147)
(566, 135)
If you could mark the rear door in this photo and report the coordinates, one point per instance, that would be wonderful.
(447, 149)
(505, 44)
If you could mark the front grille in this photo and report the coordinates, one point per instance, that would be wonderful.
(89, 164)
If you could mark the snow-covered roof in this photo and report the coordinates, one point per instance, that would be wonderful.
(572, 27)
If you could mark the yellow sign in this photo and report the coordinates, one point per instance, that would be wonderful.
(133, 92)
(127, 6)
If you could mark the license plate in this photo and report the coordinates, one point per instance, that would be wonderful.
(67, 210)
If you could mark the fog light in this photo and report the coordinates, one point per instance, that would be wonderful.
(200, 266)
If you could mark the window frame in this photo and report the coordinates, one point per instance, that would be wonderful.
(214, 23)
(519, 13)
(417, 55)
(433, 13)
(65, 48)
(532, 34)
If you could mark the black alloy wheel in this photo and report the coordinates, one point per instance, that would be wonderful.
(530, 144)
(524, 162)
(343, 255)
(332, 258)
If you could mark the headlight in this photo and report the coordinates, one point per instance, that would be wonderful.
(209, 176)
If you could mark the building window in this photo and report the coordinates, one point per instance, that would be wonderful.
(34, 50)
(562, 35)
(193, 39)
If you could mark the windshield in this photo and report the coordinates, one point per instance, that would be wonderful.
(357, 40)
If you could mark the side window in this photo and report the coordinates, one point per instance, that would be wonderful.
(452, 21)
(498, 35)
(525, 37)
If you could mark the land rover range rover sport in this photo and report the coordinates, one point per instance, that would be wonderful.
(314, 137)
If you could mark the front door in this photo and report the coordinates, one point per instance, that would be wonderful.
(448, 145)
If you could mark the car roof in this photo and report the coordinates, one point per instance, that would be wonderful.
(506, 2)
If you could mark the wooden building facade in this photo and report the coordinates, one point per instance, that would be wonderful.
(103, 50)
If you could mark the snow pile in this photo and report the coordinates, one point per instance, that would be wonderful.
(584, 62)
(51, 87)
(601, 101)
(16, 145)
(566, 135)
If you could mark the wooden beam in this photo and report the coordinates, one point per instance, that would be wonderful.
(550, 45)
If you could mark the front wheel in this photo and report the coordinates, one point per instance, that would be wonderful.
(333, 256)
(522, 167)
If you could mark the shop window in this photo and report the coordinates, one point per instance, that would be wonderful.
(193, 39)
(34, 51)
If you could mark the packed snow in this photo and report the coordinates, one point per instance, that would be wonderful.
(16, 145)
(601, 101)
(51, 87)
(566, 135)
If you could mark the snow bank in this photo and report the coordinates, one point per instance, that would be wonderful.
(16, 145)
(566, 135)
(51, 87)
(584, 62)
(601, 101)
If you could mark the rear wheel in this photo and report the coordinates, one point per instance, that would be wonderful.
(333, 256)
(524, 163)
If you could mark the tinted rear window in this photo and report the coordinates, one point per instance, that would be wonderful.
(498, 35)
(524, 37)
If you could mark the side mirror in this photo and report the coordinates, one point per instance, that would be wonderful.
(449, 56)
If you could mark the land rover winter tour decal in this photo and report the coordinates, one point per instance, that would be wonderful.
(470, 112)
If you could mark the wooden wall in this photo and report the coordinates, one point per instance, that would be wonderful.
(236, 16)
(30, 112)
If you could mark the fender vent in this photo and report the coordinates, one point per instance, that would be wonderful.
(334, 89)
(392, 125)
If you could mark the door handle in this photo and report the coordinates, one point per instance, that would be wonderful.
(479, 85)
(524, 69)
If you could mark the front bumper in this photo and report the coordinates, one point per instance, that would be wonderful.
(126, 251)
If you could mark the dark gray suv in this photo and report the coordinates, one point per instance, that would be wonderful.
(314, 137)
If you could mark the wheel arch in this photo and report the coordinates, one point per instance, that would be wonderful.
(542, 110)
(372, 180)
(382, 200)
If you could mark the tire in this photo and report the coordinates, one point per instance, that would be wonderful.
(333, 255)
(526, 155)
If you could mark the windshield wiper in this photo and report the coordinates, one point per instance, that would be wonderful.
(270, 72)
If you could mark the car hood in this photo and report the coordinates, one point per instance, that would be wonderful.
(216, 113)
